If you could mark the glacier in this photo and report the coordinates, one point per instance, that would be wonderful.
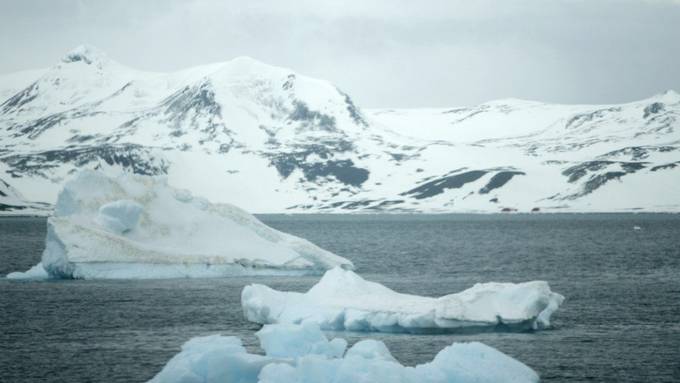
(303, 354)
(132, 226)
(342, 300)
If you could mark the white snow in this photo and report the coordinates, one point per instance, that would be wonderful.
(12, 202)
(300, 354)
(131, 226)
(342, 300)
(249, 133)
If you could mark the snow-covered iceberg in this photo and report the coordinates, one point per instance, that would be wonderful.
(132, 226)
(342, 300)
(303, 354)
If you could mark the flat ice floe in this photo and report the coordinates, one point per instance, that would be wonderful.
(342, 300)
(303, 354)
(132, 226)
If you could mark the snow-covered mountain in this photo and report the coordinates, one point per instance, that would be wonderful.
(270, 140)
(12, 202)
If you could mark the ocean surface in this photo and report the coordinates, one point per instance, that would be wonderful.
(620, 321)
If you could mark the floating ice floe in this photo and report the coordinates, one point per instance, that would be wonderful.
(132, 226)
(342, 300)
(303, 354)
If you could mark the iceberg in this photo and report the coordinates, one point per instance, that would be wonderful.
(35, 272)
(303, 354)
(342, 300)
(133, 226)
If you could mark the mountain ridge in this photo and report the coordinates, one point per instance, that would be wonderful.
(271, 140)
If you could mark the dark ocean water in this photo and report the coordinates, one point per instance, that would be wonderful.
(620, 321)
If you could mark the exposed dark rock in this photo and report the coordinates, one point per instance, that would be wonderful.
(577, 172)
(439, 185)
(472, 112)
(353, 110)
(499, 180)
(386, 204)
(580, 119)
(600, 179)
(671, 165)
(136, 158)
(313, 119)
(357, 204)
(344, 170)
(653, 108)
(81, 138)
(75, 57)
(402, 156)
(639, 152)
(186, 106)
(5, 207)
(454, 111)
(290, 82)
(20, 99)
(34, 128)
(632, 167)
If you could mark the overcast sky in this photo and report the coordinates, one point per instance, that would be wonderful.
(383, 53)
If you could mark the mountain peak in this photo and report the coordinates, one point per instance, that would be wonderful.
(248, 64)
(671, 94)
(667, 97)
(87, 54)
(246, 60)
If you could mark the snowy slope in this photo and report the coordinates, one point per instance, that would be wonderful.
(14, 82)
(13, 203)
(271, 140)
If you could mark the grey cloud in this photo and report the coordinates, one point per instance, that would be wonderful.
(384, 53)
